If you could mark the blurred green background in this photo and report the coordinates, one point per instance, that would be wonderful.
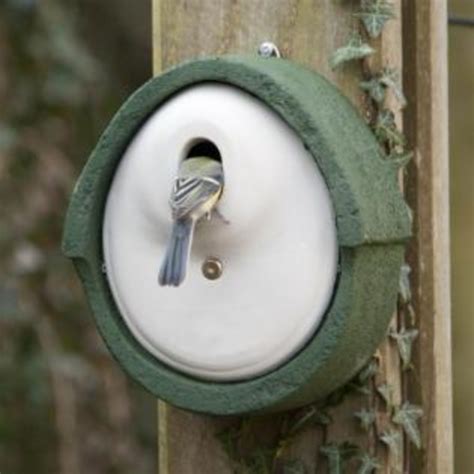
(461, 111)
(65, 406)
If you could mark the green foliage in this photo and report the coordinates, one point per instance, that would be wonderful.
(405, 339)
(390, 78)
(374, 14)
(378, 85)
(407, 417)
(307, 418)
(338, 455)
(360, 383)
(355, 48)
(375, 89)
(393, 440)
(386, 130)
(366, 418)
(400, 158)
(368, 464)
(368, 371)
(55, 96)
(386, 392)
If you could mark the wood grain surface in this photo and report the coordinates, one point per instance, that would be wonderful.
(307, 32)
(426, 126)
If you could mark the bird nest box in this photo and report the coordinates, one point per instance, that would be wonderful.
(307, 258)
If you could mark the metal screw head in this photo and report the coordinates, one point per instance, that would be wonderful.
(212, 268)
(269, 50)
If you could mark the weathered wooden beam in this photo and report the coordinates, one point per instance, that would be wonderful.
(307, 32)
(426, 125)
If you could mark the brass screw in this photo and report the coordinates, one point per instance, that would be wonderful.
(212, 268)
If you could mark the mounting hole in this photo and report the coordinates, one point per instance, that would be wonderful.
(203, 147)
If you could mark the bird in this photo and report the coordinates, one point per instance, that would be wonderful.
(196, 190)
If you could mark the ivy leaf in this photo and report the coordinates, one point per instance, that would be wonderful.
(310, 417)
(392, 439)
(375, 89)
(374, 14)
(368, 371)
(366, 418)
(359, 383)
(391, 80)
(405, 339)
(338, 454)
(386, 130)
(355, 385)
(293, 466)
(400, 159)
(362, 389)
(406, 416)
(368, 464)
(386, 392)
(377, 86)
(354, 49)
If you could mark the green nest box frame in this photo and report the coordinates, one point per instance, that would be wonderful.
(370, 217)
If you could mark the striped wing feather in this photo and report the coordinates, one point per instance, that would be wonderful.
(190, 193)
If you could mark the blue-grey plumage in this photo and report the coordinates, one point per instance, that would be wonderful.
(195, 193)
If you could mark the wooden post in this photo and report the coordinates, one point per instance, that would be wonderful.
(426, 126)
(307, 32)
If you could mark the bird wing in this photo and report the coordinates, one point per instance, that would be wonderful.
(189, 193)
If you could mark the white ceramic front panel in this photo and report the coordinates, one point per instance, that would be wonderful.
(279, 247)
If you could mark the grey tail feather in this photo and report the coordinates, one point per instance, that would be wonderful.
(173, 268)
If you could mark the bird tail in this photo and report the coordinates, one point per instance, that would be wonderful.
(173, 268)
